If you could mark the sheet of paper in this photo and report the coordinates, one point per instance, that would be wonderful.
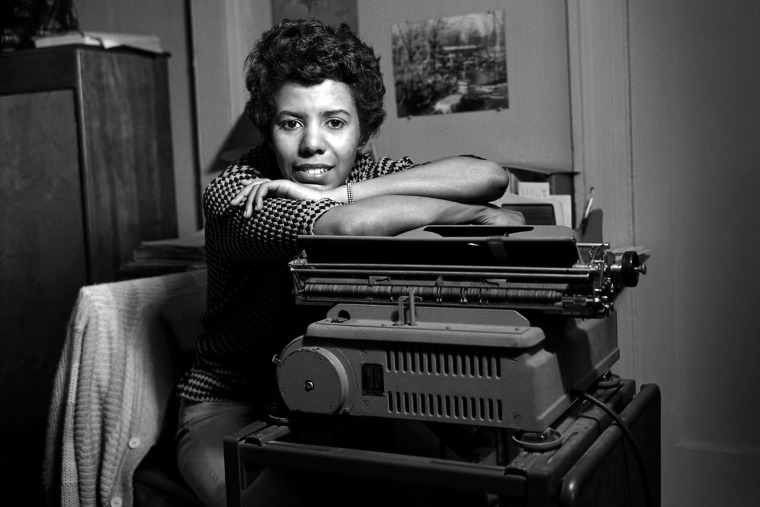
(563, 213)
(533, 189)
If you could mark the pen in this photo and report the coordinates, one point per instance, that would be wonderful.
(588, 206)
(586, 212)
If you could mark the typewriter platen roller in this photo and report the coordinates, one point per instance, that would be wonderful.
(462, 324)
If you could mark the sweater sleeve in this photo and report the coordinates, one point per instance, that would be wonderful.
(366, 169)
(268, 234)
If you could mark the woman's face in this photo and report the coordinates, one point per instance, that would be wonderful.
(315, 133)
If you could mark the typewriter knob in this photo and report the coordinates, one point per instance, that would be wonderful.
(313, 380)
(630, 269)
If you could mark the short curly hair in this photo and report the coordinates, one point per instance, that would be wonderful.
(308, 52)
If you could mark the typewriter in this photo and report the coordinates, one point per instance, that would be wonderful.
(480, 325)
(474, 325)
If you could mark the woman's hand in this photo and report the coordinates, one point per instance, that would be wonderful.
(493, 215)
(254, 191)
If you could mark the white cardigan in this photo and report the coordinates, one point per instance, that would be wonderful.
(115, 378)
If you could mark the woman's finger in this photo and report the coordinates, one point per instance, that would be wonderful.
(258, 195)
(246, 190)
(249, 202)
(255, 197)
(241, 195)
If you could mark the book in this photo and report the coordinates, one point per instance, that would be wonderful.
(150, 43)
(167, 256)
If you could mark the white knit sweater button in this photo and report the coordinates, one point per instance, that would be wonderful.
(134, 442)
(116, 502)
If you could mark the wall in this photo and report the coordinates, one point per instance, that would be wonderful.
(535, 129)
(665, 123)
(695, 130)
(221, 47)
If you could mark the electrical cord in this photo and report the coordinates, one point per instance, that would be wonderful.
(631, 440)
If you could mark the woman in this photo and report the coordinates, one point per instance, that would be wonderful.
(316, 95)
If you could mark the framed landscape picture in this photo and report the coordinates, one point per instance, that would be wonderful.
(450, 65)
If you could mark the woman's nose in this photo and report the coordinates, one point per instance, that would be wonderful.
(312, 140)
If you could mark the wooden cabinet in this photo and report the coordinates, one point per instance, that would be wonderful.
(86, 173)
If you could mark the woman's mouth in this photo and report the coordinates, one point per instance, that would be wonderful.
(311, 171)
(316, 171)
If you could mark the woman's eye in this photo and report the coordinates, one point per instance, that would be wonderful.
(335, 123)
(290, 124)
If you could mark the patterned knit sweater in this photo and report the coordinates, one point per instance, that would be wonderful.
(251, 313)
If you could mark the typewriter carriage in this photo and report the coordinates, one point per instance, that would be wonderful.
(524, 268)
